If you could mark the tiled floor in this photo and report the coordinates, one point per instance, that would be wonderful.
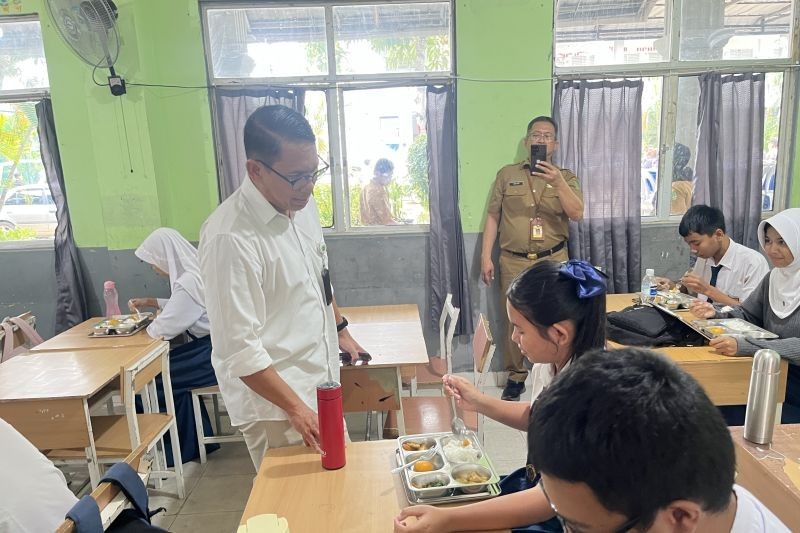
(216, 493)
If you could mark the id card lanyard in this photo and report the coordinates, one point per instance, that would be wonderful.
(536, 222)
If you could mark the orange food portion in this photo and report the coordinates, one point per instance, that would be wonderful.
(424, 466)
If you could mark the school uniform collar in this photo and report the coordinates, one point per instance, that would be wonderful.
(260, 206)
(729, 259)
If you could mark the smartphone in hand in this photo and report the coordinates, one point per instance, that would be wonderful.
(538, 153)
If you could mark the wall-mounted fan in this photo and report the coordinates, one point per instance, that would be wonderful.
(89, 28)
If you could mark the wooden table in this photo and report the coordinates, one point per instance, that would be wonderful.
(77, 338)
(361, 497)
(725, 379)
(47, 397)
(392, 334)
(772, 473)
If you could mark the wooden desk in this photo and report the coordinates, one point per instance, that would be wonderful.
(361, 497)
(772, 473)
(725, 379)
(77, 338)
(392, 334)
(47, 396)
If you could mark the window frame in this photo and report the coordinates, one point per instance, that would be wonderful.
(14, 97)
(674, 68)
(334, 86)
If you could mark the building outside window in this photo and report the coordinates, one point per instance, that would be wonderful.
(670, 43)
(361, 72)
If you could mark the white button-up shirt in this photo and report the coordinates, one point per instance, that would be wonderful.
(179, 313)
(263, 281)
(742, 271)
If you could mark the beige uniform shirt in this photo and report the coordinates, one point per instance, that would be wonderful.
(375, 208)
(513, 198)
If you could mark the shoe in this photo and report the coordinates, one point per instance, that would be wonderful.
(513, 390)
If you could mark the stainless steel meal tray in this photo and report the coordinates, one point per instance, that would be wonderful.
(683, 301)
(732, 327)
(451, 490)
(121, 325)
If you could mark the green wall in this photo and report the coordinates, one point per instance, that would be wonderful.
(504, 56)
(146, 159)
(508, 40)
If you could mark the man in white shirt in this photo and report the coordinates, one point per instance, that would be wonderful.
(626, 440)
(725, 272)
(33, 496)
(264, 264)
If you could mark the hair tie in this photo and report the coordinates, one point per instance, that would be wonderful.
(591, 282)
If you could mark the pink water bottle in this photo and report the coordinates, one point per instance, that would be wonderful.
(111, 298)
(331, 424)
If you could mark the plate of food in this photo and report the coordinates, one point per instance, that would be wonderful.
(121, 325)
(733, 327)
(459, 470)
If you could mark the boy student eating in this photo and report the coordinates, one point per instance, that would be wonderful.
(626, 441)
(725, 272)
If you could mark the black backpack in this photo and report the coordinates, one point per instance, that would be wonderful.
(645, 325)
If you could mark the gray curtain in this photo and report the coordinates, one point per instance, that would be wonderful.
(600, 136)
(231, 109)
(448, 260)
(730, 148)
(71, 301)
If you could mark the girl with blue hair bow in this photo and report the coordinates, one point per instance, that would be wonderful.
(558, 313)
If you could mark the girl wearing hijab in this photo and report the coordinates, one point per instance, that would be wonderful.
(172, 256)
(774, 305)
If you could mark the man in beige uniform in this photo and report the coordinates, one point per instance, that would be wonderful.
(531, 208)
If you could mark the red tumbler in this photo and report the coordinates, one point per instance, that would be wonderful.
(331, 424)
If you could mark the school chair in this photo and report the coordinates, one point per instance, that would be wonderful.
(202, 439)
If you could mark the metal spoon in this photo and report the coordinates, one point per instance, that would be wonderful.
(428, 455)
(458, 426)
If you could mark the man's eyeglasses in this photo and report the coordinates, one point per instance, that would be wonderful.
(569, 528)
(311, 178)
(546, 137)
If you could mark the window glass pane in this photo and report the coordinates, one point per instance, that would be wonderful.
(599, 32)
(27, 210)
(22, 64)
(264, 42)
(772, 121)
(392, 38)
(317, 115)
(682, 154)
(719, 29)
(387, 158)
(651, 141)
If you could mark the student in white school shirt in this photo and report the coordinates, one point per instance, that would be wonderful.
(33, 494)
(274, 324)
(627, 441)
(739, 269)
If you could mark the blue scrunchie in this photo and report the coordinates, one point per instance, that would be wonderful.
(591, 282)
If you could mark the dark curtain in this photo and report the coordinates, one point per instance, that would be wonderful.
(448, 260)
(730, 148)
(71, 301)
(600, 136)
(232, 107)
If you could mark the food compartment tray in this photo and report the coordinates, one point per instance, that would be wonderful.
(683, 301)
(453, 491)
(733, 327)
(121, 325)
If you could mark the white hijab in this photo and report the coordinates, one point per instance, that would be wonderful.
(169, 251)
(784, 283)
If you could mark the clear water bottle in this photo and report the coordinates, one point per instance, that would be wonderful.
(111, 298)
(648, 294)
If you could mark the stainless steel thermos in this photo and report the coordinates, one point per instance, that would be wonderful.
(762, 398)
(331, 424)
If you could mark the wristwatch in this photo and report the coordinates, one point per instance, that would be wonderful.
(341, 325)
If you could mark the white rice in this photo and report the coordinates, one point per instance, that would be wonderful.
(457, 453)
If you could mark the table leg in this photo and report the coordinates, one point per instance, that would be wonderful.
(91, 450)
(401, 420)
